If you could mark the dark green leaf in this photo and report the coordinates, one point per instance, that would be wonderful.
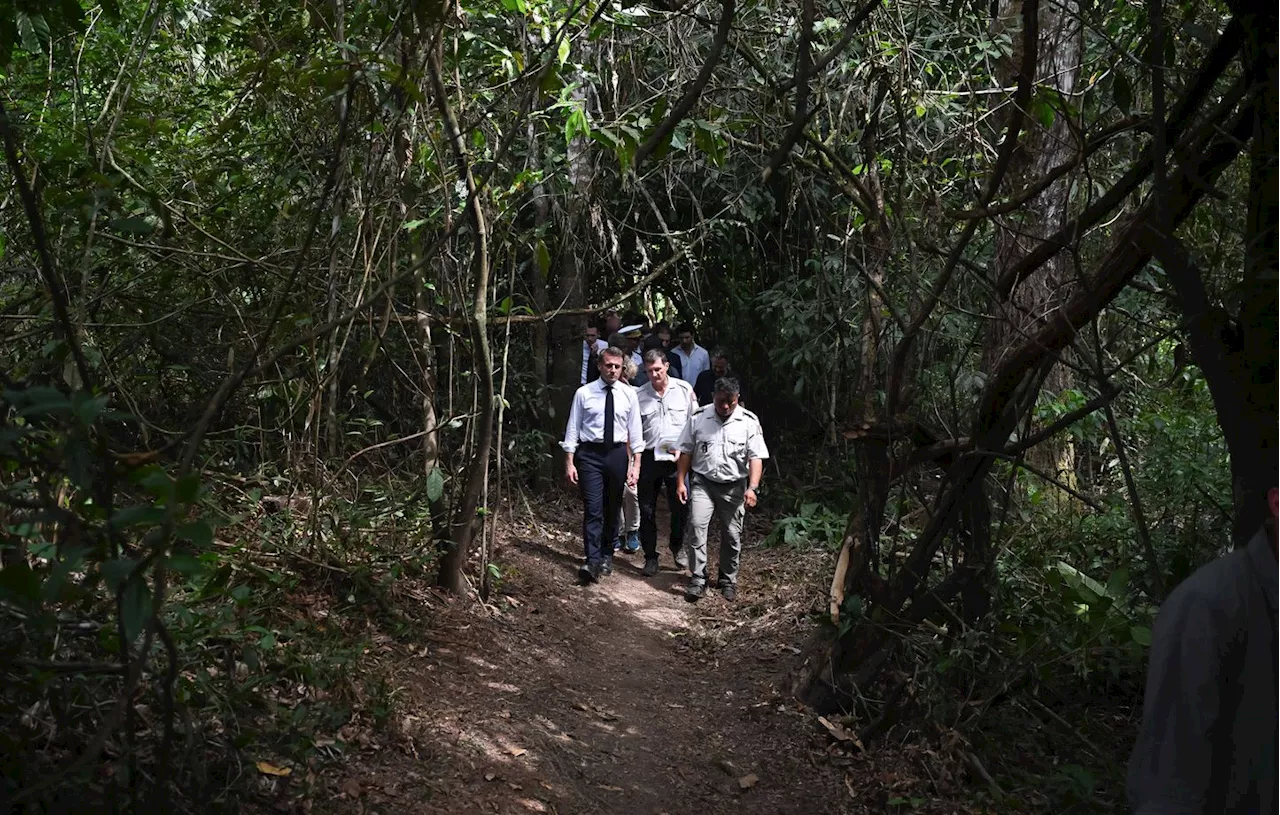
(88, 408)
(187, 488)
(1121, 92)
(1118, 583)
(200, 533)
(131, 225)
(20, 584)
(543, 258)
(435, 485)
(115, 572)
(187, 564)
(135, 607)
(137, 515)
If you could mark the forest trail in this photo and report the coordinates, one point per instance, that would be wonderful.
(614, 698)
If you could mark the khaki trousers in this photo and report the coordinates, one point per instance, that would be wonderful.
(629, 515)
(724, 503)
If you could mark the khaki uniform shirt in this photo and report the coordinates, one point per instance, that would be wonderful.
(722, 449)
(664, 417)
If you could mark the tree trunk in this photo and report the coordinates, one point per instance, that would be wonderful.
(566, 332)
(1254, 467)
(463, 524)
(333, 385)
(1041, 149)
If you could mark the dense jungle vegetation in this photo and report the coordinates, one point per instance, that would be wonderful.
(291, 301)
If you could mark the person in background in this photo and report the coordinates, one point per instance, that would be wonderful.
(662, 329)
(654, 342)
(1208, 737)
(610, 322)
(602, 442)
(627, 537)
(666, 403)
(723, 446)
(592, 345)
(693, 357)
(631, 333)
(719, 369)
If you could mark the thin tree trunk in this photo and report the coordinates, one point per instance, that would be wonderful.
(463, 524)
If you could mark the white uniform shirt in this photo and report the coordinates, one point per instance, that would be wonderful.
(664, 417)
(586, 417)
(692, 363)
(722, 449)
(586, 356)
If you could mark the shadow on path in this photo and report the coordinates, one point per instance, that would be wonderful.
(600, 699)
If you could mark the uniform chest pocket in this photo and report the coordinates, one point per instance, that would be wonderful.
(734, 441)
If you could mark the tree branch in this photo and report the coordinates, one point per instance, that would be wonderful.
(692, 90)
(48, 270)
(1021, 103)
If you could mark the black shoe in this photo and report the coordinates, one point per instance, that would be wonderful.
(589, 573)
(650, 566)
(682, 557)
(729, 591)
(693, 592)
(606, 566)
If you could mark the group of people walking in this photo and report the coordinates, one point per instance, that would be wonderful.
(638, 427)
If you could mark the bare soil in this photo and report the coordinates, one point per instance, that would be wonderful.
(615, 698)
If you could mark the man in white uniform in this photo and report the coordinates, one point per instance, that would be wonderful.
(724, 448)
(666, 404)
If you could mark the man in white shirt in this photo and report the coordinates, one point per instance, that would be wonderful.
(724, 447)
(666, 403)
(693, 357)
(602, 443)
(592, 345)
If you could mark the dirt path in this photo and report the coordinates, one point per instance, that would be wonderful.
(614, 698)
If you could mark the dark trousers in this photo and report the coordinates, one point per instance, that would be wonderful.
(602, 474)
(656, 476)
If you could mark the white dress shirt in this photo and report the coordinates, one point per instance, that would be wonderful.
(664, 417)
(586, 417)
(586, 356)
(692, 363)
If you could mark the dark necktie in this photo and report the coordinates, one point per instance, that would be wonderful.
(608, 415)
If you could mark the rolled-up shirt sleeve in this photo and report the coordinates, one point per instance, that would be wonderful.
(570, 442)
(635, 429)
(1169, 770)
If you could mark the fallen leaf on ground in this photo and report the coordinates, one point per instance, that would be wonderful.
(748, 781)
(841, 734)
(517, 751)
(610, 788)
(271, 769)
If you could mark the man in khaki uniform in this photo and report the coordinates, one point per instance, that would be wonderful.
(724, 448)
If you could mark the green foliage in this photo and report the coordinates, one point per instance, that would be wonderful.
(814, 525)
